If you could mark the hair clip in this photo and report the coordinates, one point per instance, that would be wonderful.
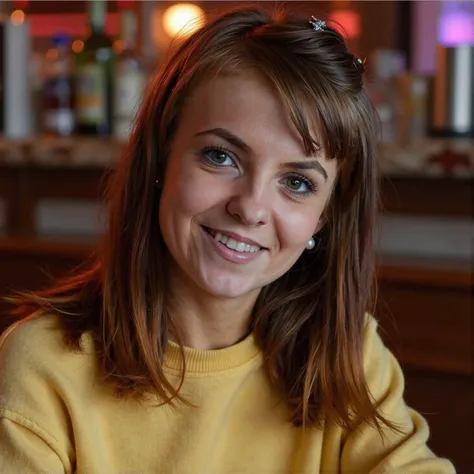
(359, 61)
(316, 24)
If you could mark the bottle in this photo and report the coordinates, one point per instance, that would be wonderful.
(58, 93)
(94, 76)
(130, 77)
(388, 65)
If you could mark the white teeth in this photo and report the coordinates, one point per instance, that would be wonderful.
(241, 247)
(221, 238)
(234, 244)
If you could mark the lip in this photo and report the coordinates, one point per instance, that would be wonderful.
(228, 254)
(239, 238)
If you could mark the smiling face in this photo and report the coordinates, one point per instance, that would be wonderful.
(240, 199)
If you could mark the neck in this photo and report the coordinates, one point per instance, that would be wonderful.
(208, 322)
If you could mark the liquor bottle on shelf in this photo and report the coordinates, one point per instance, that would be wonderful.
(58, 93)
(388, 65)
(131, 75)
(94, 68)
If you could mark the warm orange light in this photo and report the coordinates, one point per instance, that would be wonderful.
(77, 46)
(17, 17)
(52, 54)
(182, 19)
(119, 46)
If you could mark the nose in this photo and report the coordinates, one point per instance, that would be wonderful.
(250, 206)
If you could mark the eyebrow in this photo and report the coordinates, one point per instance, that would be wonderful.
(239, 143)
(227, 136)
(307, 165)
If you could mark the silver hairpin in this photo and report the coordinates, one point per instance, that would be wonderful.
(359, 61)
(316, 24)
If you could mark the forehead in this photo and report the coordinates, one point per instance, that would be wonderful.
(249, 106)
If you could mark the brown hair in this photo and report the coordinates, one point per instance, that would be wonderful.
(310, 322)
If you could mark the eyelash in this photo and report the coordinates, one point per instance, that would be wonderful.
(219, 149)
(312, 187)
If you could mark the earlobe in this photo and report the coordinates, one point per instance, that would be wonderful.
(311, 244)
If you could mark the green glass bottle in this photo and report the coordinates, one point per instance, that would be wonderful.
(94, 76)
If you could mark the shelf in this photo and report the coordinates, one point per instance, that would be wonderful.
(432, 272)
(48, 246)
(435, 196)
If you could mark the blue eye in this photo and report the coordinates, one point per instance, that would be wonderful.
(218, 157)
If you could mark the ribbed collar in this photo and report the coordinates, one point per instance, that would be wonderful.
(208, 361)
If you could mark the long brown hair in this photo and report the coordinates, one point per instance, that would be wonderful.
(310, 322)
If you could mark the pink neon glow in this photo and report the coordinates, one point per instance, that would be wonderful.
(456, 28)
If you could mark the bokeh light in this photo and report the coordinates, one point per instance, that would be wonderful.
(182, 19)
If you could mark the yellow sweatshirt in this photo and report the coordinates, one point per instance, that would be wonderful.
(56, 416)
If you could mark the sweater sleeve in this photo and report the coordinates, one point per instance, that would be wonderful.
(365, 450)
(34, 424)
(23, 447)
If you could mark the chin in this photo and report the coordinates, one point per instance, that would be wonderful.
(227, 286)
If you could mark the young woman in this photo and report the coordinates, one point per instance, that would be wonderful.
(223, 326)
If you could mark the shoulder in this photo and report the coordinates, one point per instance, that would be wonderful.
(382, 370)
(38, 341)
(373, 344)
(30, 335)
(377, 357)
(39, 374)
(36, 362)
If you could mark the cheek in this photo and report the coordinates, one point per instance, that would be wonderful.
(297, 227)
(189, 191)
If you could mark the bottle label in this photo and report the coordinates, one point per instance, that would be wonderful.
(58, 88)
(59, 121)
(58, 106)
(91, 94)
(129, 90)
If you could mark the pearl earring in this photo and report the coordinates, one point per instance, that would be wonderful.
(311, 243)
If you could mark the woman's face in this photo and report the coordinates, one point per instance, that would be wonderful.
(240, 199)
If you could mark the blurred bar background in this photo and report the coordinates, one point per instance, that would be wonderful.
(71, 78)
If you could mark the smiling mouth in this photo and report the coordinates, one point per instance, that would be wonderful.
(231, 242)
